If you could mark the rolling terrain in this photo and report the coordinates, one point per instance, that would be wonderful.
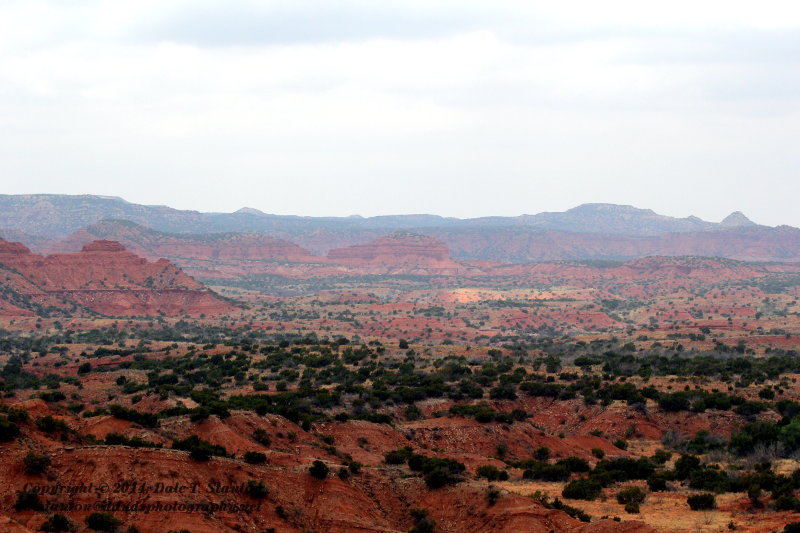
(391, 381)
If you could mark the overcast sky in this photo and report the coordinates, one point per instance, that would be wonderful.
(458, 108)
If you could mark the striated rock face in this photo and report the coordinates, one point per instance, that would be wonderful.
(104, 278)
(103, 245)
(13, 248)
(401, 252)
(745, 243)
(214, 255)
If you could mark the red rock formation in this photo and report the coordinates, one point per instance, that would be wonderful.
(399, 253)
(105, 278)
(221, 255)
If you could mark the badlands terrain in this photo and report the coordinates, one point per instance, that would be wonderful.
(166, 370)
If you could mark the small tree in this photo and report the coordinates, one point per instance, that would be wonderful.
(319, 469)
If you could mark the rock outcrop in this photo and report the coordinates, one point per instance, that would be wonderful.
(399, 253)
(103, 278)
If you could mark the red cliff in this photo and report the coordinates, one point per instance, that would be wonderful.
(104, 278)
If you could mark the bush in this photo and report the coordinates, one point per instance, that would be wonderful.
(786, 502)
(582, 489)
(256, 489)
(662, 456)
(35, 464)
(27, 499)
(199, 449)
(8, 430)
(574, 464)
(397, 457)
(793, 527)
(685, 465)
(319, 470)
(631, 495)
(542, 453)
(255, 458)
(492, 473)
(102, 522)
(632, 507)
(57, 523)
(48, 424)
(622, 444)
(657, 482)
(598, 453)
(262, 437)
(701, 502)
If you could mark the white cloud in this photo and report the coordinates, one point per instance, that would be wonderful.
(456, 108)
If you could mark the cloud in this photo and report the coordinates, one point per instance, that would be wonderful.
(458, 108)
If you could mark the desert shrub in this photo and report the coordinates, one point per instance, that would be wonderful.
(662, 456)
(8, 430)
(685, 465)
(57, 523)
(542, 453)
(786, 502)
(397, 457)
(492, 473)
(27, 499)
(657, 482)
(319, 470)
(422, 524)
(35, 464)
(632, 507)
(256, 489)
(582, 489)
(116, 439)
(199, 449)
(793, 527)
(598, 453)
(255, 458)
(631, 495)
(262, 437)
(574, 464)
(437, 472)
(574, 512)
(608, 472)
(711, 479)
(701, 502)
(102, 522)
(48, 424)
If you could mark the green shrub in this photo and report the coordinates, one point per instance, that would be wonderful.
(256, 489)
(255, 458)
(262, 437)
(57, 523)
(319, 470)
(102, 522)
(27, 499)
(582, 489)
(701, 502)
(35, 464)
(492, 473)
(631, 495)
(8, 430)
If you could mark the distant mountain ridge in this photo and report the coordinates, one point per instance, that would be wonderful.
(589, 231)
(55, 216)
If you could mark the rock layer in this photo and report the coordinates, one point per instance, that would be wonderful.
(103, 278)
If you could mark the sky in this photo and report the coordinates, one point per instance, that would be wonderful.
(459, 108)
